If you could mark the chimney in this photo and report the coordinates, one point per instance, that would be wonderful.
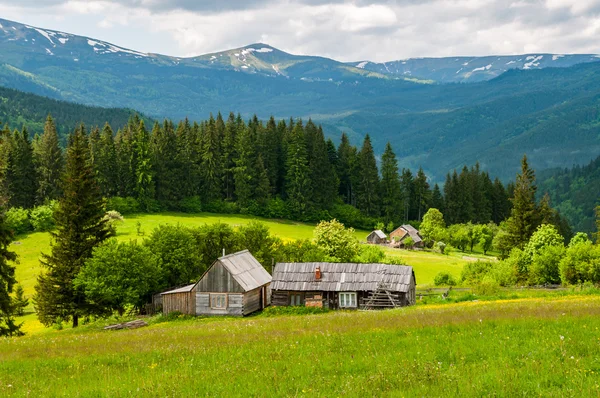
(318, 273)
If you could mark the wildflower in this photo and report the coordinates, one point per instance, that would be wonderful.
(562, 338)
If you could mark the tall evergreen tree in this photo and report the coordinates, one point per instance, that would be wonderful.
(20, 174)
(367, 187)
(124, 146)
(500, 202)
(228, 157)
(106, 164)
(49, 163)
(452, 199)
(211, 165)
(80, 226)
(422, 195)
(8, 327)
(144, 178)
(346, 170)
(407, 188)
(245, 176)
(437, 199)
(298, 173)
(523, 217)
(391, 195)
(322, 175)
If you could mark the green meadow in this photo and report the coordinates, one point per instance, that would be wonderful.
(29, 248)
(523, 347)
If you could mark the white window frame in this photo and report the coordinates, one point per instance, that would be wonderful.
(347, 300)
(216, 299)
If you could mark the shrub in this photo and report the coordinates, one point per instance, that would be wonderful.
(370, 254)
(580, 237)
(17, 220)
(581, 263)
(504, 273)
(486, 287)
(113, 218)
(297, 310)
(277, 208)
(544, 268)
(441, 247)
(221, 206)
(123, 205)
(408, 243)
(546, 235)
(42, 217)
(192, 204)
(474, 272)
(445, 279)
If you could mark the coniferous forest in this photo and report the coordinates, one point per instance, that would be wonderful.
(278, 169)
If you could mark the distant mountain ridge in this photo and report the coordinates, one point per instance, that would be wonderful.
(552, 114)
(472, 69)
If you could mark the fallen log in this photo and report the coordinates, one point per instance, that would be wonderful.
(138, 323)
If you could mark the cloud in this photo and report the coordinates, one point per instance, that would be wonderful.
(345, 30)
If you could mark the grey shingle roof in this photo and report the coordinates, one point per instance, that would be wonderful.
(379, 233)
(341, 277)
(246, 270)
(412, 232)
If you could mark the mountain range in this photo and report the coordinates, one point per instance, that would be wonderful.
(545, 105)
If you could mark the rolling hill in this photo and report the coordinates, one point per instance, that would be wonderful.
(550, 113)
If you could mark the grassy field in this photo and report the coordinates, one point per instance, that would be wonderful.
(29, 248)
(526, 347)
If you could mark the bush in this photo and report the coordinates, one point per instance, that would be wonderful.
(544, 268)
(408, 243)
(42, 217)
(474, 272)
(581, 263)
(221, 206)
(300, 251)
(336, 240)
(277, 208)
(445, 279)
(441, 247)
(192, 204)
(486, 287)
(503, 273)
(123, 205)
(370, 254)
(296, 310)
(17, 220)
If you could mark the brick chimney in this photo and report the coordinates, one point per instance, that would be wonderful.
(318, 273)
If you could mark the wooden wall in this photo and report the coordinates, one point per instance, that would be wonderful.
(252, 301)
(234, 305)
(219, 280)
(184, 302)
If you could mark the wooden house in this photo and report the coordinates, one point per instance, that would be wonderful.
(236, 284)
(377, 237)
(403, 232)
(343, 285)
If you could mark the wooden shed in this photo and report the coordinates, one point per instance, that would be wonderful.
(236, 284)
(343, 285)
(377, 237)
(403, 232)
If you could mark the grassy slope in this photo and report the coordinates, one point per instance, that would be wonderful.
(29, 248)
(506, 348)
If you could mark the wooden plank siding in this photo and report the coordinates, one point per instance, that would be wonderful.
(235, 305)
(218, 280)
(252, 301)
(184, 302)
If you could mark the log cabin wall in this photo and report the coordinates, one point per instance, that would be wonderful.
(184, 302)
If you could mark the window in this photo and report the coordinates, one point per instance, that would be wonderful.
(347, 300)
(295, 299)
(218, 301)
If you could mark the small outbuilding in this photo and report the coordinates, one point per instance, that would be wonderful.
(377, 237)
(400, 234)
(236, 284)
(343, 285)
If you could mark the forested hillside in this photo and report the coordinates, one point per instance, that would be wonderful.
(551, 114)
(575, 192)
(19, 109)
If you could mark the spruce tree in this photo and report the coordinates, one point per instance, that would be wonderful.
(407, 188)
(7, 280)
(228, 157)
(298, 173)
(20, 174)
(422, 195)
(322, 175)
(245, 177)
(105, 162)
(211, 165)
(391, 195)
(523, 217)
(452, 199)
(144, 178)
(367, 187)
(437, 200)
(49, 163)
(80, 227)
(346, 170)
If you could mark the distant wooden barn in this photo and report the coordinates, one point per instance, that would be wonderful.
(343, 285)
(377, 237)
(236, 284)
(400, 234)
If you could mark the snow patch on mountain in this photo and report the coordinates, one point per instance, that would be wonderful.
(62, 40)
(557, 56)
(487, 67)
(45, 34)
(533, 61)
(49, 52)
(362, 64)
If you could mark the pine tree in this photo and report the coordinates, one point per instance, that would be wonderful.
(466, 211)
(347, 160)
(500, 203)
(422, 194)
(20, 174)
(228, 157)
(523, 217)
(437, 200)
(211, 166)
(165, 162)
(7, 280)
(49, 163)
(367, 187)
(407, 188)
(80, 227)
(391, 195)
(20, 302)
(452, 199)
(298, 173)
(125, 155)
(144, 178)
(322, 175)
(105, 163)
(245, 174)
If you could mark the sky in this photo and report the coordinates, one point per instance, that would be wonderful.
(344, 30)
